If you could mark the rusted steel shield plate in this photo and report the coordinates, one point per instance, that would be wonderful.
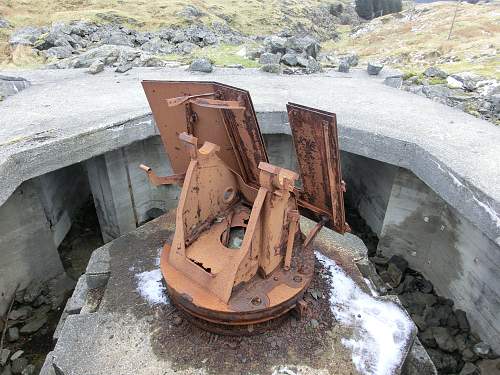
(235, 131)
(318, 155)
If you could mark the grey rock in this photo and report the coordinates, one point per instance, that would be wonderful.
(427, 338)
(123, 68)
(4, 356)
(13, 334)
(444, 339)
(21, 313)
(179, 36)
(59, 287)
(343, 67)
(34, 289)
(17, 355)
(96, 67)
(444, 362)
(469, 356)
(234, 66)
(58, 52)
(436, 91)
(26, 36)
(351, 58)
(275, 44)
(119, 39)
(289, 59)
(437, 315)
(269, 58)
(454, 83)
(4, 23)
(186, 48)
(34, 325)
(166, 34)
(200, 35)
(158, 46)
(19, 365)
(190, 12)
(469, 80)
(307, 44)
(463, 322)
(482, 349)
(271, 68)
(395, 82)
(254, 53)
(29, 370)
(470, 369)
(83, 28)
(374, 68)
(416, 302)
(108, 54)
(490, 367)
(10, 86)
(201, 65)
(7, 370)
(432, 71)
(313, 66)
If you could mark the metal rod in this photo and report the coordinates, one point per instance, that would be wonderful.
(292, 229)
(312, 234)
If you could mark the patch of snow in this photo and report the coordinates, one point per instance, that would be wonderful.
(151, 288)
(380, 328)
(372, 288)
(284, 370)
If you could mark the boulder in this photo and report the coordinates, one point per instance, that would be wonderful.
(190, 12)
(395, 82)
(275, 44)
(200, 35)
(29, 370)
(18, 365)
(352, 59)
(343, 66)
(83, 28)
(490, 367)
(26, 36)
(158, 46)
(4, 23)
(58, 52)
(13, 334)
(4, 356)
(313, 66)
(96, 67)
(482, 349)
(179, 36)
(374, 68)
(269, 58)
(201, 65)
(444, 339)
(444, 362)
(463, 322)
(289, 59)
(432, 71)
(119, 39)
(469, 80)
(470, 369)
(123, 68)
(307, 44)
(185, 48)
(271, 68)
(34, 325)
(454, 83)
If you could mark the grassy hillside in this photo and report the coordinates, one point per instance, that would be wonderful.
(411, 40)
(418, 37)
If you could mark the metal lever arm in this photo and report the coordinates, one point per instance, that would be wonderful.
(177, 179)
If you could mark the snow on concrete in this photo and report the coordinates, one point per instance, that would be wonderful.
(380, 328)
(150, 287)
(150, 284)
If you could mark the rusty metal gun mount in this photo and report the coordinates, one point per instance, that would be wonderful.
(238, 257)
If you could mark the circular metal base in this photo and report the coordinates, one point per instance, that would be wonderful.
(257, 301)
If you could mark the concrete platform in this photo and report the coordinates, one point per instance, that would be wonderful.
(68, 116)
(127, 325)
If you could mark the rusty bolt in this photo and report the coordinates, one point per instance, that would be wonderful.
(256, 301)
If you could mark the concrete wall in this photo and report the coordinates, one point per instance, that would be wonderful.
(123, 196)
(369, 183)
(27, 248)
(62, 193)
(461, 262)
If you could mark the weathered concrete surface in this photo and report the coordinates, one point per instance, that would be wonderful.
(460, 261)
(27, 248)
(67, 117)
(124, 335)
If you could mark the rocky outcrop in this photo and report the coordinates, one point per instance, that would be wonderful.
(465, 91)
